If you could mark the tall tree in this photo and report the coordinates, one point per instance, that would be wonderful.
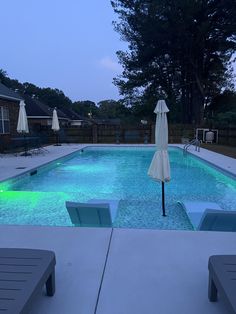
(178, 49)
(85, 108)
(222, 110)
(110, 109)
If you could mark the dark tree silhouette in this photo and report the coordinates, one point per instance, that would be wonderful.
(178, 49)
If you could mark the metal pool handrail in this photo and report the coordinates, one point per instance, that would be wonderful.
(195, 142)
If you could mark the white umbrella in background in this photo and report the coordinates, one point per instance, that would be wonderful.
(55, 125)
(22, 125)
(159, 168)
(55, 121)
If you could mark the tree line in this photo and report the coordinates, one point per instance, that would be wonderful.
(177, 49)
(104, 109)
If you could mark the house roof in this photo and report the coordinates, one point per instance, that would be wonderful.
(7, 93)
(35, 108)
(73, 115)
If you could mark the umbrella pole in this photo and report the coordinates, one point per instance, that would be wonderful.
(25, 144)
(163, 199)
(56, 142)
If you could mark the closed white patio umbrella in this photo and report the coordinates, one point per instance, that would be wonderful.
(159, 168)
(55, 121)
(55, 125)
(22, 124)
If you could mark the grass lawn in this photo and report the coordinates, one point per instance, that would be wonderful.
(229, 151)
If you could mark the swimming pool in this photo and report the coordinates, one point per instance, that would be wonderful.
(117, 173)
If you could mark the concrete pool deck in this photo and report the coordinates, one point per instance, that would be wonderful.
(147, 271)
(224, 162)
(140, 272)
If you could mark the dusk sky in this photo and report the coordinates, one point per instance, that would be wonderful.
(70, 45)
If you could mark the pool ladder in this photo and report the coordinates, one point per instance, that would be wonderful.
(194, 142)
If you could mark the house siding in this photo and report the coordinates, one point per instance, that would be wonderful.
(13, 108)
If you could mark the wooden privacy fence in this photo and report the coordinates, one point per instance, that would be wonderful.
(227, 136)
(122, 134)
(143, 134)
(107, 134)
(139, 135)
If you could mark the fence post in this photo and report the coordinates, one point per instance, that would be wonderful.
(95, 133)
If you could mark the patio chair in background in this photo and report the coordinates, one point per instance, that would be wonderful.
(89, 214)
(23, 272)
(15, 146)
(37, 147)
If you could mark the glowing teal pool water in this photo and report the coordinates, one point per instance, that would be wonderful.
(118, 173)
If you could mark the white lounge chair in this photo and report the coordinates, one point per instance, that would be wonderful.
(113, 205)
(218, 220)
(195, 210)
(95, 213)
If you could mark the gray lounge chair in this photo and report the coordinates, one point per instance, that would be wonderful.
(222, 269)
(218, 220)
(195, 210)
(23, 272)
(89, 214)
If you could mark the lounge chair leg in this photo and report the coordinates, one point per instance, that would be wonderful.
(212, 290)
(50, 284)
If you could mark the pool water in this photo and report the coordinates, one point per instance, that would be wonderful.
(118, 173)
